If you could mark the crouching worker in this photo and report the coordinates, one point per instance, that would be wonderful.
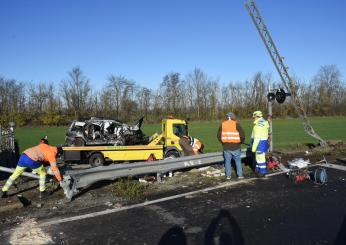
(191, 146)
(34, 158)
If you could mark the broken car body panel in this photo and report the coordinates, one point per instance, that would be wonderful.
(96, 131)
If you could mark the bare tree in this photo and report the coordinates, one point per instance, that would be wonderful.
(105, 101)
(144, 96)
(122, 91)
(197, 81)
(76, 91)
(171, 88)
(12, 101)
(37, 94)
(329, 86)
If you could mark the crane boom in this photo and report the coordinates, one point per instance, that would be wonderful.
(288, 82)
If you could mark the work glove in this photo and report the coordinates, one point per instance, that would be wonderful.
(62, 184)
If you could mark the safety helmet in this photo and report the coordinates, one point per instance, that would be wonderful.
(44, 140)
(230, 115)
(257, 114)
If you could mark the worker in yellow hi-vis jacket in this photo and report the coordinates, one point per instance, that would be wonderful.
(259, 142)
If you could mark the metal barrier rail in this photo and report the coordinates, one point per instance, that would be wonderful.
(74, 180)
(11, 170)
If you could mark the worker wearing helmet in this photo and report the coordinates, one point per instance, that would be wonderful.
(196, 145)
(190, 145)
(231, 135)
(34, 158)
(259, 142)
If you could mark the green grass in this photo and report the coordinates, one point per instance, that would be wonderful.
(29, 136)
(129, 188)
(287, 132)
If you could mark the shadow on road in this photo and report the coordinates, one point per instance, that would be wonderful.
(222, 230)
(173, 236)
(341, 237)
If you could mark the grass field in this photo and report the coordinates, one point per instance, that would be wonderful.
(286, 132)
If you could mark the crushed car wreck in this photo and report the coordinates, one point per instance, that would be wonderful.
(97, 131)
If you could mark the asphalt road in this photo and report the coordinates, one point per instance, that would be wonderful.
(260, 211)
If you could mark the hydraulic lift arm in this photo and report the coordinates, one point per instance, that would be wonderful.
(288, 82)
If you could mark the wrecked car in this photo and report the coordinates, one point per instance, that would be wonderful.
(97, 131)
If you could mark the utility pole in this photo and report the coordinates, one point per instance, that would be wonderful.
(270, 114)
(289, 84)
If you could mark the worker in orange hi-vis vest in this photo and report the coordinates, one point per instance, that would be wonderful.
(34, 158)
(196, 144)
(190, 145)
(231, 135)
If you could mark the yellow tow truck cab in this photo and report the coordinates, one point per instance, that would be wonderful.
(160, 146)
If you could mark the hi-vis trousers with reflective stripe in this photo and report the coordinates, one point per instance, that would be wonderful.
(18, 172)
(261, 165)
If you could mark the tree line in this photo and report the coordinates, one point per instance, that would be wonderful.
(196, 96)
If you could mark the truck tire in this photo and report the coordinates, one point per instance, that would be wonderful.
(171, 154)
(96, 159)
(78, 142)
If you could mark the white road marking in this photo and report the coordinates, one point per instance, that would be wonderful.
(115, 210)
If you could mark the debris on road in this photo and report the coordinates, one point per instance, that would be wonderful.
(299, 163)
(29, 233)
(213, 173)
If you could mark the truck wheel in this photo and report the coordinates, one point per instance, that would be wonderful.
(96, 160)
(172, 154)
(78, 142)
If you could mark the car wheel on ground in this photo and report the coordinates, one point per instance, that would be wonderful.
(171, 154)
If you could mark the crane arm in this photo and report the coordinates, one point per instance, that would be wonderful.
(288, 82)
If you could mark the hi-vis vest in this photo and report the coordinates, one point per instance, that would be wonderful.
(196, 145)
(45, 153)
(229, 133)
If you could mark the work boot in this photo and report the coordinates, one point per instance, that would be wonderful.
(44, 194)
(259, 175)
(3, 194)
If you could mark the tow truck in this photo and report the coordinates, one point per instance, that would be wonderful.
(160, 146)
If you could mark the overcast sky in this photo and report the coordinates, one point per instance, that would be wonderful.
(41, 40)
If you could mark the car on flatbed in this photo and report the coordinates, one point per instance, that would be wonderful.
(105, 132)
(158, 146)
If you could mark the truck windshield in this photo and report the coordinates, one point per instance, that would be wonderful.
(180, 130)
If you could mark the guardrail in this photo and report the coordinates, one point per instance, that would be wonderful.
(74, 180)
(11, 170)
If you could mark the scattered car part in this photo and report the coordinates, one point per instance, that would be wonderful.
(318, 176)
